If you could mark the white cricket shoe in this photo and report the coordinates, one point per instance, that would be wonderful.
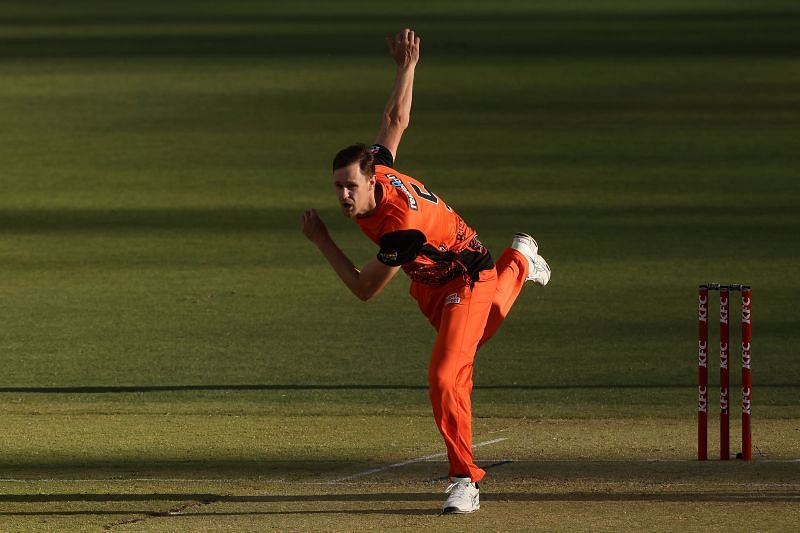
(541, 271)
(538, 269)
(464, 496)
(525, 244)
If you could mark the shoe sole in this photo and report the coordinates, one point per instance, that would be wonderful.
(546, 266)
(456, 510)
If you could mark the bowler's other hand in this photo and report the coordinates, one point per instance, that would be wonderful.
(404, 48)
(313, 227)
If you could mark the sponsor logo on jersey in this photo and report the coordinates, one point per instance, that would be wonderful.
(453, 299)
(394, 181)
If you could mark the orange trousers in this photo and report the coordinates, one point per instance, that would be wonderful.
(465, 317)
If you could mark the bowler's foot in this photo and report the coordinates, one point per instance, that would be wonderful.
(464, 496)
(538, 269)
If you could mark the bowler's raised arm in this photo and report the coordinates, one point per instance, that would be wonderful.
(404, 49)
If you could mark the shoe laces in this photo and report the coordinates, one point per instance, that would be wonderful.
(458, 486)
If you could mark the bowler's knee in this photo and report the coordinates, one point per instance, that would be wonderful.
(449, 379)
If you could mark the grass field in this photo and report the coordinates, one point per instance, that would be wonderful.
(177, 357)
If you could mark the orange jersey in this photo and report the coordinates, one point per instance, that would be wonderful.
(418, 231)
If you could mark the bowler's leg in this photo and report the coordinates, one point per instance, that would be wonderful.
(450, 372)
(512, 271)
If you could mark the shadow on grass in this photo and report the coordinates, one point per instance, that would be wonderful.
(320, 473)
(595, 33)
(150, 514)
(123, 389)
(769, 483)
(777, 496)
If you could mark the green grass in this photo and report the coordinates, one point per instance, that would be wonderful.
(164, 319)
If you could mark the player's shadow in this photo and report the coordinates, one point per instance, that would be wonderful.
(163, 505)
(782, 495)
(122, 389)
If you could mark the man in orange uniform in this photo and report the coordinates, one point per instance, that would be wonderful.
(458, 287)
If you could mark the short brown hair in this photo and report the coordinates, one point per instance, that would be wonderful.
(356, 153)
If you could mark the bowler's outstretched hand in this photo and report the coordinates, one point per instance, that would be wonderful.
(313, 227)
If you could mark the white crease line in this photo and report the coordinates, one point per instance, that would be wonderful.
(411, 461)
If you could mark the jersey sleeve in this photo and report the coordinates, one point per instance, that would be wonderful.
(382, 155)
(400, 247)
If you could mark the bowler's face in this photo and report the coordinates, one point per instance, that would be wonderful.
(354, 190)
